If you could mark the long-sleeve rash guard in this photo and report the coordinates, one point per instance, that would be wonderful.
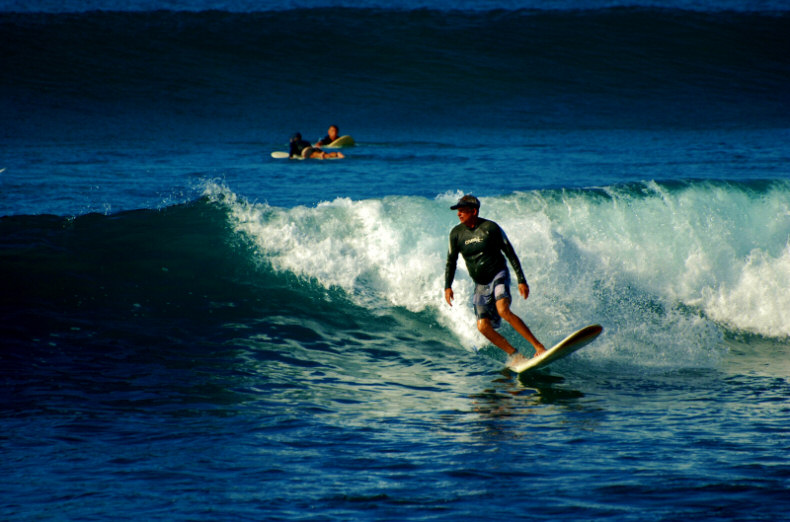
(297, 146)
(482, 248)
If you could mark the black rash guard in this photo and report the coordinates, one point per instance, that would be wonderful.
(297, 146)
(482, 249)
(326, 140)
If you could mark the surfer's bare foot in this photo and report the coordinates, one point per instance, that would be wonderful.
(515, 360)
(539, 351)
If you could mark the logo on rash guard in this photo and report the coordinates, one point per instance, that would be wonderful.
(473, 240)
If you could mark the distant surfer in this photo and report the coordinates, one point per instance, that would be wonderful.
(481, 242)
(302, 149)
(331, 135)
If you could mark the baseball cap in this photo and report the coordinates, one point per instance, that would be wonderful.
(467, 201)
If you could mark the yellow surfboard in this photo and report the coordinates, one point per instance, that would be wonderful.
(342, 141)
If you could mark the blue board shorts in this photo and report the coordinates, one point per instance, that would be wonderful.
(486, 296)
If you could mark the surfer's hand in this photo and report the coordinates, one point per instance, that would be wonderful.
(523, 289)
(448, 296)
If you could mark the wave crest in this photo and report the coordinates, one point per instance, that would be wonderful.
(678, 257)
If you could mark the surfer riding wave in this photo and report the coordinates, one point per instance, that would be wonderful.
(481, 242)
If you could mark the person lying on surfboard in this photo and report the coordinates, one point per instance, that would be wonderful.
(481, 242)
(331, 135)
(302, 149)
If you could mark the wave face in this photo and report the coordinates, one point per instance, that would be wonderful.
(667, 269)
(223, 74)
(651, 256)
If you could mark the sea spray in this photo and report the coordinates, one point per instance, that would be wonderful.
(665, 268)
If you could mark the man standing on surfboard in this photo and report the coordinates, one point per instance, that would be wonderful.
(481, 242)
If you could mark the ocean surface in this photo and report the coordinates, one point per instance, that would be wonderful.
(192, 330)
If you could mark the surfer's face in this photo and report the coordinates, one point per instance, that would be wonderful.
(467, 215)
(332, 132)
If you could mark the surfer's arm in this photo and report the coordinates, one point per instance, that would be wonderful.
(449, 269)
(449, 296)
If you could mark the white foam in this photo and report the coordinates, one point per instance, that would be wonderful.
(655, 265)
(759, 300)
(713, 247)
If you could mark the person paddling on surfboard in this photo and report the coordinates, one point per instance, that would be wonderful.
(481, 242)
(302, 148)
(331, 135)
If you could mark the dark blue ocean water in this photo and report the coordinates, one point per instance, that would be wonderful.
(192, 330)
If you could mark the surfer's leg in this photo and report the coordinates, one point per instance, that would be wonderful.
(317, 153)
(503, 307)
(487, 329)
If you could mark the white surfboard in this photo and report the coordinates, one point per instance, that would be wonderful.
(342, 141)
(564, 348)
(284, 155)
